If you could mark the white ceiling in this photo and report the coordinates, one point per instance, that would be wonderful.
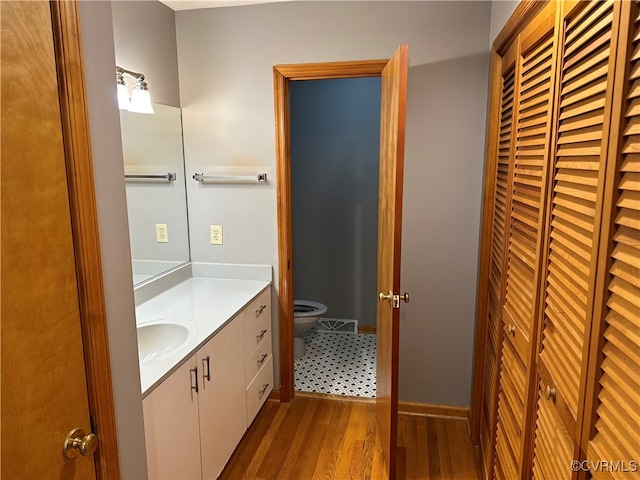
(193, 4)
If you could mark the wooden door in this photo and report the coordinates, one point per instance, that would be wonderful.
(44, 387)
(532, 118)
(579, 156)
(392, 130)
(500, 225)
(613, 400)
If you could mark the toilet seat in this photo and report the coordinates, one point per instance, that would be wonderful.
(307, 308)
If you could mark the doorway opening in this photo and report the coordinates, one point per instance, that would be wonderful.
(393, 103)
(334, 159)
(283, 76)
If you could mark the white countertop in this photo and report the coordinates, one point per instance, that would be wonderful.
(203, 306)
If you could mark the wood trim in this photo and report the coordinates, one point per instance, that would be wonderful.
(366, 329)
(522, 15)
(336, 396)
(274, 395)
(317, 71)
(282, 74)
(485, 250)
(84, 220)
(432, 410)
(510, 62)
(285, 257)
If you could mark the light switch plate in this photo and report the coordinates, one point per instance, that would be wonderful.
(216, 234)
(162, 234)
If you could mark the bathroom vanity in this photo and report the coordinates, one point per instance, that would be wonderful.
(206, 368)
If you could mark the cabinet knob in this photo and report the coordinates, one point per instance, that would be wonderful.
(511, 330)
(550, 393)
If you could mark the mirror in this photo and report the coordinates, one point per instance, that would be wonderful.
(157, 207)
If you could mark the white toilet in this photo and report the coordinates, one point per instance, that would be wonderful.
(305, 315)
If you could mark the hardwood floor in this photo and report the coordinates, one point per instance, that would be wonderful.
(316, 437)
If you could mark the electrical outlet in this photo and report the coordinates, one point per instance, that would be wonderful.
(162, 234)
(216, 234)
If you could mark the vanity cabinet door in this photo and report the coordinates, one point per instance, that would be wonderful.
(223, 418)
(172, 428)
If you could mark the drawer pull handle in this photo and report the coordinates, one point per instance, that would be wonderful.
(194, 377)
(264, 389)
(259, 311)
(259, 337)
(263, 358)
(206, 376)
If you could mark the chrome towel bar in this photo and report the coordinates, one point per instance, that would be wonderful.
(171, 177)
(259, 178)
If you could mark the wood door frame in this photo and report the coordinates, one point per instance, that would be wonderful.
(86, 240)
(282, 75)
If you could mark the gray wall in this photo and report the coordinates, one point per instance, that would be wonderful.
(335, 137)
(226, 58)
(99, 63)
(145, 41)
(441, 222)
(501, 10)
(146, 35)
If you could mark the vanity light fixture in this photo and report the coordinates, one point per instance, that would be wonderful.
(140, 101)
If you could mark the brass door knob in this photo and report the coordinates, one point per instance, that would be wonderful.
(77, 443)
(405, 297)
(382, 297)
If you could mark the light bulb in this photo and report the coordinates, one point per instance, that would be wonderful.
(123, 97)
(140, 99)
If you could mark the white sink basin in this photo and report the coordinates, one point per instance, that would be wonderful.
(159, 339)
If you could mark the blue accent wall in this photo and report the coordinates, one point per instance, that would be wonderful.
(335, 137)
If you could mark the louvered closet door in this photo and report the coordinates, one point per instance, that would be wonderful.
(615, 417)
(494, 324)
(587, 55)
(525, 216)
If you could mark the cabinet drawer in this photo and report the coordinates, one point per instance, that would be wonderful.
(259, 359)
(258, 309)
(257, 336)
(258, 391)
